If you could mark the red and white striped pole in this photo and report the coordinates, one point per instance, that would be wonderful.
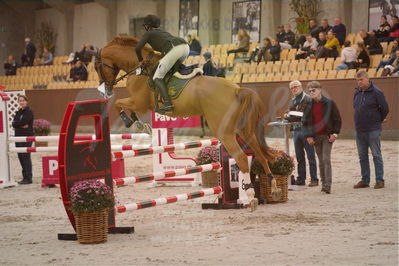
(168, 200)
(135, 136)
(167, 148)
(55, 148)
(165, 176)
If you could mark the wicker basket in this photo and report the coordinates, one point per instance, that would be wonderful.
(92, 227)
(266, 191)
(210, 179)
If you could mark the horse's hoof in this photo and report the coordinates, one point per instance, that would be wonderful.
(128, 122)
(254, 204)
(147, 129)
(138, 126)
(277, 195)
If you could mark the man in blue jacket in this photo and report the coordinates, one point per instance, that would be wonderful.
(371, 109)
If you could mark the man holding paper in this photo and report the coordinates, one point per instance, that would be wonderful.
(298, 104)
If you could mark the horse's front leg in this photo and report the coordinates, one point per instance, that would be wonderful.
(126, 104)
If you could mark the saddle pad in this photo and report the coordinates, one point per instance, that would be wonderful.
(175, 86)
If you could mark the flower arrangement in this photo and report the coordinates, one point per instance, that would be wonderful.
(207, 155)
(306, 10)
(41, 127)
(284, 165)
(91, 196)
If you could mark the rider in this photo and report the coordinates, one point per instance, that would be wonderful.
(173, 49)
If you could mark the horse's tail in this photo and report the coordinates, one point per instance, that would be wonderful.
(251, 120)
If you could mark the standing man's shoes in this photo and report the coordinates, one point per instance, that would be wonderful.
(379, 184)
(361, 184)
(24, 182)
(299, 183)
(314, 183)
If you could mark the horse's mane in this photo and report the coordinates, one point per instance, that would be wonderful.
(127, 41)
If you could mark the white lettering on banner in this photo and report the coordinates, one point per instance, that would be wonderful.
(52, 166)
(163, 118)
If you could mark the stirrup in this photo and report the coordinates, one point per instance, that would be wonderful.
(105, 92)
(165, 109)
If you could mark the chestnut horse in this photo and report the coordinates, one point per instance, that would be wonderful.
(230, 110)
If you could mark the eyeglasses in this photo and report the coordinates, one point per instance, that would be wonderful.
(312, 90)
(294, 87)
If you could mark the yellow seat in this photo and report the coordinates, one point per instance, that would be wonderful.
(304, 75)
(341, 74)
(294, 76)
(269, 67)
(269, 76)
(284, 54)
(252, 68)
(230, 60)
(276, 66)
(375, 60)
(372, 72)
(320, 64)
(261, 77)
(237, 68)
(351, 74)
(301, 65)
(332, 74)
(384, 46)
(245, 78)
(260, 68)
(291, 54)
(293, 67)
(285, 66)
(277, 77)
(285, 77)
(322, 74)
(379, 73)
(313, 74)
(310, 65)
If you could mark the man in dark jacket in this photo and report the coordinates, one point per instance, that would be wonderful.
(371, 42)
(339, 30)
(29, 55)
(371, 108)
(321, 126)
(209, 67)
(10, 66)
(299, 103)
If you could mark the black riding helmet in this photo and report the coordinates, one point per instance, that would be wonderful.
(152, 21)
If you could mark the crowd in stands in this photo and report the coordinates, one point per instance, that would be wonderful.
(321, 41)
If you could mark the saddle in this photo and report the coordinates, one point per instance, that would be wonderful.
(176, 80)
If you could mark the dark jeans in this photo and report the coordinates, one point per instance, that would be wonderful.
(301, 145)
(25, 161)
(372, 140)
(239, 50)
(375, 51)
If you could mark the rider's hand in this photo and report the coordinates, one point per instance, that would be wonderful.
(144, 62)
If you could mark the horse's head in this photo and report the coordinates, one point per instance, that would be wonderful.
(107, 71)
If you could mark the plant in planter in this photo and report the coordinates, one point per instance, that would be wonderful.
(90, 203)
(281, 169)
(41, 127)
(305, 11)
(205, 156)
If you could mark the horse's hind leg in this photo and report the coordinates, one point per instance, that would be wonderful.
(232, 146)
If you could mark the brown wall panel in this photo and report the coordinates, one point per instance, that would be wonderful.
(51, 104)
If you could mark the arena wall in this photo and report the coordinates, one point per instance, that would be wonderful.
(50, 104)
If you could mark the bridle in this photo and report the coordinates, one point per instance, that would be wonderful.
(110, 84)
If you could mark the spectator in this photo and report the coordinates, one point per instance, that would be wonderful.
(331, 48)
(313, 28)
(339, 30)
(288, 38)
(243, 45)
(309, 47)
(47, 57)
(392, 69)
(348, 57)
(78, 72)
(23, 126)
(383, 30)
(392, 56)
(322, 40)
(85, 55)
(275, 50)
(371, 43)
(209, 67)
(394, 31)
(324, 27)
(371, 109)
(299, 103)
(363, 59)
(28, 56)
(195, 45)
(261, 52)
(280, 33)
(10, 66)
(321, 126)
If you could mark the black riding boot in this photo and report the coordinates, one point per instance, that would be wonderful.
(167, 103)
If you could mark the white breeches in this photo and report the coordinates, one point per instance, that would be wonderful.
(179, 52)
